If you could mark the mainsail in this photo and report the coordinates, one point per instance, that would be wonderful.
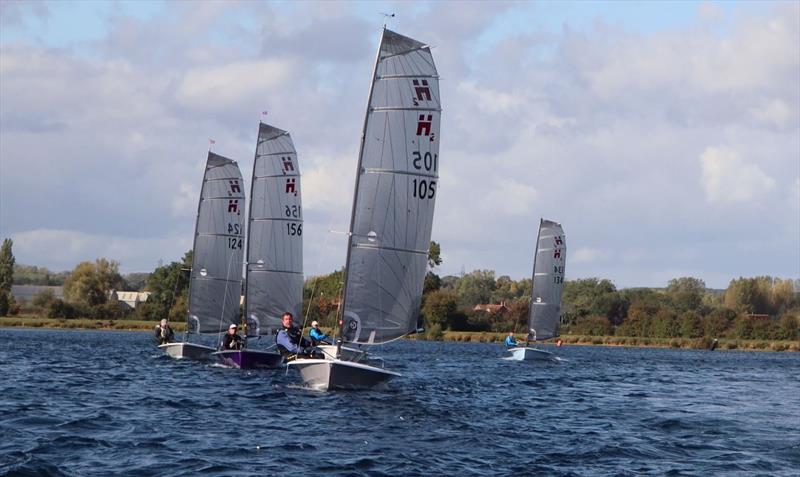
(548, 280)
(274, 237)
(396, 187)
(216, 278)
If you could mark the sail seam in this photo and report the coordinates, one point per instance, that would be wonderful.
(202, 278)
(405, 52)
(275, 153)
(380, 109)
(395, 171)
(380, 77)
(251, 270)
(276, 175)
(395, 249)
(267, 219)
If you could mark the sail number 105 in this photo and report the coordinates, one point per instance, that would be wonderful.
(424, 188)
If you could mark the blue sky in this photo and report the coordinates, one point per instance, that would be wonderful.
(663, 135)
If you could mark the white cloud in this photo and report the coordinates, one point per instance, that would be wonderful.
(773, 113)
(587, 255)
(727, 178)
(65, 248)
(506, 197)
(232, 84)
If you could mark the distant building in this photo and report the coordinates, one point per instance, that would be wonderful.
(131, 299)
(492, 308)
(25, 293)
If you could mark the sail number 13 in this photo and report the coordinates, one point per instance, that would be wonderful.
(424, 188)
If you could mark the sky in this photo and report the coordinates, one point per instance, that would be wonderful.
(663, 136)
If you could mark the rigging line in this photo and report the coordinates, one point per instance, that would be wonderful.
(316, 279)
(225, 297)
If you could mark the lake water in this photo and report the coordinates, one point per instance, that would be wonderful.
(107, 403)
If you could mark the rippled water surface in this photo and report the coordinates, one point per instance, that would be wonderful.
(107, 403)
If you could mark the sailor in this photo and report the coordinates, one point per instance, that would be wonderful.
(290, 340)
(510, 341)
(164, 333)
(317, 335)
(232, 341)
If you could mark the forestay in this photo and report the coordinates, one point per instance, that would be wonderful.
(548, 280)
(275, 243)
(216, 278)
(396, 189)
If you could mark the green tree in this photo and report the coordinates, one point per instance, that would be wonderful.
(475, 288)
(441, 308)
(432, 283)
(43, 298)
(787, 327)
(592, 296)
(691, 325)
(6, 276)
(718, 322)
(686, 293)
(90, 282)
(592, 326)
(169, 288)
(434, 255)
(748, 295)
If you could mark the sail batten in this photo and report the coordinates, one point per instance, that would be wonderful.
(274, 267)
(396, 187)
(216, 278)
(548, 281)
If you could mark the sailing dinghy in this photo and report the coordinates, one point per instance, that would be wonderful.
(216, 276)
(548, 283)
(274, 277)
(392, 214)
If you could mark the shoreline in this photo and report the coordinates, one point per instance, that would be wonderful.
(33, 322)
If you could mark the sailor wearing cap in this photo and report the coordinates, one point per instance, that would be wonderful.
(164, 333)
(317, 335)
(232, 341)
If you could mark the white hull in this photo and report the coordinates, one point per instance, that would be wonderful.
(187, 350)
(328, 374)
(530, 354)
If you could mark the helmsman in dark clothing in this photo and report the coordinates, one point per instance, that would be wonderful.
(232, 341)
(164, 333)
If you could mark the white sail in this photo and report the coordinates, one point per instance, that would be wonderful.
(548, 281)
(216, 277)
(275, 244)
(396, 188)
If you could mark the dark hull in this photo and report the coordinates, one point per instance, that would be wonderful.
(249, 359)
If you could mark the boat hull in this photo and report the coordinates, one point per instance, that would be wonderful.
(330, 374)
(187, 350)
(530, 354)
(249, 359)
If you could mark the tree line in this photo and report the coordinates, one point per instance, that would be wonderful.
(750, 308)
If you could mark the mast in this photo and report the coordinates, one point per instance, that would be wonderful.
(533, 277)
(355, 197)
(247, 235)
(194, 246)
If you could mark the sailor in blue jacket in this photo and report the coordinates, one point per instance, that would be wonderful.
(290, 339)
(317, 335)
(510, 341)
